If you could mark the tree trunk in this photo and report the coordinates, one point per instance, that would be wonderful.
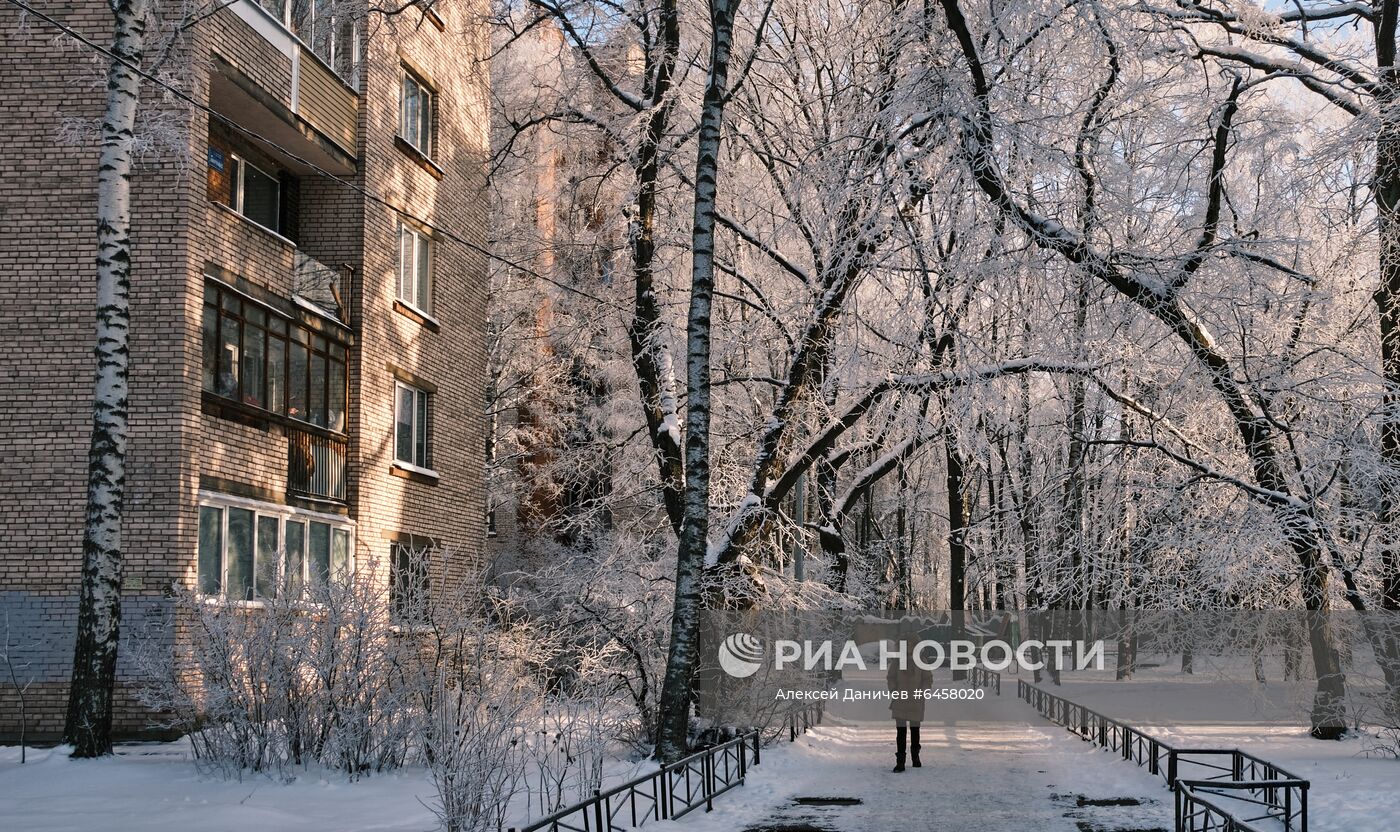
(957, 533)
(651, 358)
(674, 716)
(89, 722)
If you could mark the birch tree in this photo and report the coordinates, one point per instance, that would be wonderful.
(89, 723)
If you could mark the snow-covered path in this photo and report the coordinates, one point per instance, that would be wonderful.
(1002, 773)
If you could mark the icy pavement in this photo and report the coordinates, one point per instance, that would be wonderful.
(1004, 773)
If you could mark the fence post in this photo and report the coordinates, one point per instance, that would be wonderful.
(598, 812)
(663, 798)
(757, 744)
(1171, 768)
(707, 780)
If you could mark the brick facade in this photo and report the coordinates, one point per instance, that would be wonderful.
(181, 446)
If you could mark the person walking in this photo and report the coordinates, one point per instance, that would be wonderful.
(907, 706)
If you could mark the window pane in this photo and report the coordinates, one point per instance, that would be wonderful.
(422, 297)
(296, 383)
(405, 263)
(403, 425)
(420, 432)
(240, 554)
(260, 197)
(346, 46)
(276, 373)
(278, 8)
(317, 403)
(228, 359)
(211, 346)
(320, 552)
(425, 122)
(233, 166)
(295, 570)
(337, 397)
(340, 554)
(265, 578)
(410, 111)
(253, 353)
(211, 549)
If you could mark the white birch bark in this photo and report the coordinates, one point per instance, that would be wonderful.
(89, 722)
(691, 549)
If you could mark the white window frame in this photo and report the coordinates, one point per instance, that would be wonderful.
(423, 142)
(284, 514)
(419, 395)
(236, 192)
(407, 289)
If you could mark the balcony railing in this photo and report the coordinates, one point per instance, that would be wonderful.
(316, 465)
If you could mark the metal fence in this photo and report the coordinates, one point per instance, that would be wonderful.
(1214, 802)
(677, 789)
(981, 677)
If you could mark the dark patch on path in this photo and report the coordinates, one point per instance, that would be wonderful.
(1104, 814)
(827, 801)
(1081, 800)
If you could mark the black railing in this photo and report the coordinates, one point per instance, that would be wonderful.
(1242, 779)
(674, 790)
(981, 677)
(315, 465)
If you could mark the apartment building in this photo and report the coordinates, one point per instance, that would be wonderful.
(308, 304)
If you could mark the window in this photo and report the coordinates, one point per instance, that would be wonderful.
(415, 269)
(329, 32)
(411, 427)
(249, 551)
(254, 193)
(416, 114)
(408, 584)
(261, 358)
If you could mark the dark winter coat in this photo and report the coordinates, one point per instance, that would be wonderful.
(913, 678)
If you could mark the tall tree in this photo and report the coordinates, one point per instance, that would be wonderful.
(89, 722)
(691, 549)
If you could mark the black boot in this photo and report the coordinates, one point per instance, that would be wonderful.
(914, 746)
(901, 734)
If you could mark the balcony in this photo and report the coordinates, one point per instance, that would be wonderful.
(315, 464)
(309, 102)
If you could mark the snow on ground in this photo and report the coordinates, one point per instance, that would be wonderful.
(1350, 790)
(154, 788)
(1008, 771)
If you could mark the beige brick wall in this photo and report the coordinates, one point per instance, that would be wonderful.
(47, 192)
